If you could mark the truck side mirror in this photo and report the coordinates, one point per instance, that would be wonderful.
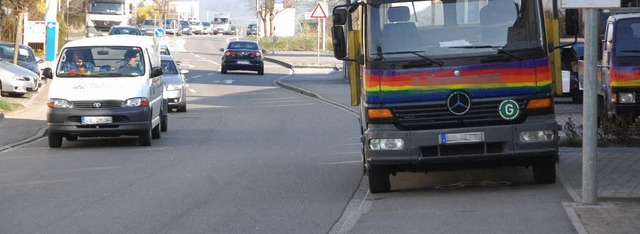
(339, 42)
(340, 16)
(571, 22)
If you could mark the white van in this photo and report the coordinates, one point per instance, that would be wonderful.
(106, 86)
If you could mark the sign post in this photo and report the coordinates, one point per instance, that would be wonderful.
(590, 107)
(51, 42)
(320, 13)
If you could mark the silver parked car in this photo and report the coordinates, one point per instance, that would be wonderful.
(26, 57)
(175, 86)
(16, 80)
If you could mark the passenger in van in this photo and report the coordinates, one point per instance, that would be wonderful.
(130, 63)
(77, 64)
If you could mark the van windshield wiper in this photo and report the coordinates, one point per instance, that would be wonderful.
(500, 50)
(417, 53)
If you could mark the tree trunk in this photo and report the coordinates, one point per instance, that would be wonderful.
(18, 41)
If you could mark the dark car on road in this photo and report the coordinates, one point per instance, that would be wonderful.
(125, 30)
(242, 55)
(252, 29)
(569, 56)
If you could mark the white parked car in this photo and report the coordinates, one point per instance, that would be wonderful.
(16, 80)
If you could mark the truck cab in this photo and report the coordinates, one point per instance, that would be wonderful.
(102, 14)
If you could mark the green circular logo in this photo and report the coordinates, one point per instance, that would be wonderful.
(509, 109)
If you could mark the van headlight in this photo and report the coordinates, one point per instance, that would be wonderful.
(135, 102)
(59, 103)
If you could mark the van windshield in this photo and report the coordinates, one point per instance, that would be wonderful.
(114, 61)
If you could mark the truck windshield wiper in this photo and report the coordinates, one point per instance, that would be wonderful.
(500, 50)
(417, 53)
(631, 51)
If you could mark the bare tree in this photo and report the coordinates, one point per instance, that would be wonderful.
(267, 13)
(18, 8)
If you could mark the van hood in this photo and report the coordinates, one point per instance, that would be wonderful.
(97, 88)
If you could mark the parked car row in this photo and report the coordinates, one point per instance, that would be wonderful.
(18, 80)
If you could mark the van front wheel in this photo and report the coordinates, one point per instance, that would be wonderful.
(144, 139)
(55, 140)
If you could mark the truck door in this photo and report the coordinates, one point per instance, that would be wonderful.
(605, 63)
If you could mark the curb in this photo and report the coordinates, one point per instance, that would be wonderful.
(291, 66)
(1, 116)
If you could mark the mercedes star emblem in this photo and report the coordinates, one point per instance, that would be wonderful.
(459, 103)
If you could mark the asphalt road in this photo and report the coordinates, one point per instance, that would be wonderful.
(251, 157)
(247, 157)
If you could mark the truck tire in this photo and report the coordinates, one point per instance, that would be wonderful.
(544, 170)
(379, 179)
(55, 140)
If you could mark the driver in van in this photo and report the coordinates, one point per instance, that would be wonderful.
(76, 64)
(130, 63)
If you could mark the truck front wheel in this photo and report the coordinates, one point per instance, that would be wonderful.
(379, 179)
(544, 170)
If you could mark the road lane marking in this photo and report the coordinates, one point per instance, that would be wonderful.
(192, 90)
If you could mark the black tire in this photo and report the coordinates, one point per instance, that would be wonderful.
(379, 179)
(144, 139)
(164, 122)
(182, 108)
(223, 70)
(155, 132)
(55, 140)
(261, 71)
(544, 170)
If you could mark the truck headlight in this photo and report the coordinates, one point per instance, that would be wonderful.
(537, 136)
(135, 102)
(627, 97)
(386, 144)
(59, 103)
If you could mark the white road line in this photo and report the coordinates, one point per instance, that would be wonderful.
(192, 90)
(196, 76)
(191, 66)
(39, 182)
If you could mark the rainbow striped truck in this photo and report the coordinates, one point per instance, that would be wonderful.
(449, 85)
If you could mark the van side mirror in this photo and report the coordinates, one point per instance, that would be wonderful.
(156, 71)
(46, 72)
(571, 22)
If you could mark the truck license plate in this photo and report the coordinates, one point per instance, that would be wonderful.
(96, 119)
(455, 138)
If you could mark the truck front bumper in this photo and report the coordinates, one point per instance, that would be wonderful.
(425, 150)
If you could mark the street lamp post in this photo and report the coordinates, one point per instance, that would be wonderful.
(257, 22)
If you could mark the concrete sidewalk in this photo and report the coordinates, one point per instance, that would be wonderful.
(618, 210)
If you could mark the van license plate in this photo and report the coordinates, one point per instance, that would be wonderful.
(468, 137)
(96, 119)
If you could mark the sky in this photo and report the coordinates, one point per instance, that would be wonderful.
(237, 8)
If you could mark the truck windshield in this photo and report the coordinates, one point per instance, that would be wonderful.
(454, 29)
(220, 20)
(627, 38)
(106, 8)
(117, 61)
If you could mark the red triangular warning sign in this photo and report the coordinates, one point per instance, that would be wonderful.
(318, 12)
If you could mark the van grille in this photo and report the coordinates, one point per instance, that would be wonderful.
(97, 104)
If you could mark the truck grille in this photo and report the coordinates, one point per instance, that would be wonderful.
(104, 25)
(97, 104)
(437, 115)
